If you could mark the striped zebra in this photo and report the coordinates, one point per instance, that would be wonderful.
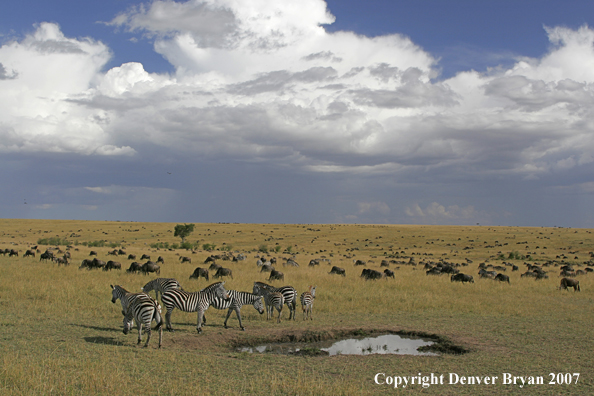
(289, 294)
(161, 285)
(235, 302)
(307, 299)
(125, 297)
(192, 301)
(144, 310)
(273, 300)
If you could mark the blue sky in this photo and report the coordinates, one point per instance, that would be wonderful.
(418, 112)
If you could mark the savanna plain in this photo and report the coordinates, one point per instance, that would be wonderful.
(61, 335)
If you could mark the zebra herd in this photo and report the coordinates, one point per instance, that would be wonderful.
(143, 309)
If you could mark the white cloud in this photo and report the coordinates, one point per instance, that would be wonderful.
(436, 213)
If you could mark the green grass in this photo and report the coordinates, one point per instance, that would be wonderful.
(60, 334)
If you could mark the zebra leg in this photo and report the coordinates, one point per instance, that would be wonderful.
(199, 324)
(168, 320)
(148, 336)
(280, 310)
(139, 333)
(227, 318)
(160, 336)
(237, 311)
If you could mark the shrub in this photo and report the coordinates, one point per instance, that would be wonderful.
(53, 241)
(209, 247)
(263, 248)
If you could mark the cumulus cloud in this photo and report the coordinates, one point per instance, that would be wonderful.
(264, 82)
(436, 213)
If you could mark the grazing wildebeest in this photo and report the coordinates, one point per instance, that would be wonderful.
(46, 256)
(461, 278)
(514, 268)
(121, 252)
(145, 257)
(267, 268)
(314, 262)
(199, 272)
(502, 278)
(567, 282)
(135, 267)
(98, 263)
(61, 261)
(29, 253)
(131, 257)
(93, 253)
(385, 263)
(291, 262)
(160, 260)
(276, 275)
(113, 252)
(389, 273)
(112, 265)
(214, 267)
(434, 271)
(338, 271)
(371, 274)
(185, 259)
(223, 272)
(150, 266)
(88, 264)
(567, 273)
(359, 262)
(487, 274)
(13, 252)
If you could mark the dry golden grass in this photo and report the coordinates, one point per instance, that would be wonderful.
(60, 334)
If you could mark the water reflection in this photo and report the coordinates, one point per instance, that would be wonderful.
(385, 344)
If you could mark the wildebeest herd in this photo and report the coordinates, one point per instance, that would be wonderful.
(144, 309)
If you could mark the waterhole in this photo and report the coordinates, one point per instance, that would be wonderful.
(384, 344)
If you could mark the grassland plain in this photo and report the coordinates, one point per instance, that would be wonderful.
(61, 335)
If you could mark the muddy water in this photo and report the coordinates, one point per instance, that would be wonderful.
(385, 344)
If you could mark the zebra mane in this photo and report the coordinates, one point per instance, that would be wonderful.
(120, 288)
(213, 286)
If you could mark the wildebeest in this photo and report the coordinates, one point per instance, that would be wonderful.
(214, 267)
(185, 259)
(434, 271)
(199, 272)
(276, 275)
(223, 272)
(28, 253)
(145, 257)
(460, 277)
(131, 257)
(338, 271)
(291, 262)
(502, 278)
(267, 268)
(359, 262)
(566, 273)
(371, 274)
(93, 253)
(134, 267)
(487, 274)
(112, 265)
(98, 263)
(46, 256)
(61, 261)
(150, 266)
(389, 273)
(13, 252)
(160, 260)
(314, 262)
(568, 282)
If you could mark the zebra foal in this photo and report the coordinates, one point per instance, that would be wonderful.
(289, 295)
(144, 310)
(307, 299)
(161, 285)
(192, 302)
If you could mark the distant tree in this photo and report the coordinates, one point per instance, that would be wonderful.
(183, 230)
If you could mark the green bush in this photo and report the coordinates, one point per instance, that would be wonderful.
(209, 247)
(55, 241)
(263, 248)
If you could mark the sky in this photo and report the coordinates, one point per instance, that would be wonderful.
(457, 112)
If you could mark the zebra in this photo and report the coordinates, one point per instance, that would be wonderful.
(125, 297)
(161, 285)
(235, 302)
(144, 310)
(192, 302)
(273, 299)
(307, 299)
(289, 294)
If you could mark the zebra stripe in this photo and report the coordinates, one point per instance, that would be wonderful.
(144, 310)
(161, 285)
(274, 300)
(307, 299)
(192, 302)
(289, 295)
(235, 302)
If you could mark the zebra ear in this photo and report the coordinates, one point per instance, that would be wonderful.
(112, 286)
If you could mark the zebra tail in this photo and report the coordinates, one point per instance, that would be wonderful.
(158, 318)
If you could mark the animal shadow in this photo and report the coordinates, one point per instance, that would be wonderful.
(104, 340)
